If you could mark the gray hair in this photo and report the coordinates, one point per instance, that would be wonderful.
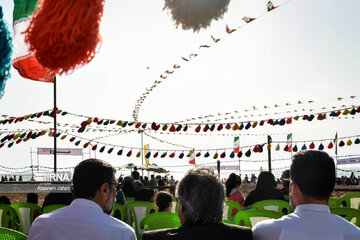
(202, 196)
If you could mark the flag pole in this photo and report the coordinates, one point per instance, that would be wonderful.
(239, 158)
(269, 152)
(55, 148)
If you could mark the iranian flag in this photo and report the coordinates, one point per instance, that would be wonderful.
(289, 142)
(236, 144)
(192, 157)
(24, 60)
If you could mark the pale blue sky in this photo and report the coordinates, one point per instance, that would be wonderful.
(304, 50)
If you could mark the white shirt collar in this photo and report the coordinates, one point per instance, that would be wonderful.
(82, 202)
(312, 207)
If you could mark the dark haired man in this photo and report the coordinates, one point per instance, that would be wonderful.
(87, 217)
(201, 199)
(312, 175)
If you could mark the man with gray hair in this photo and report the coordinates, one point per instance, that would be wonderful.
(201, 200)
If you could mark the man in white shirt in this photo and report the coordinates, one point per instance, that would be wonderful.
(87, 217)
(312, 175)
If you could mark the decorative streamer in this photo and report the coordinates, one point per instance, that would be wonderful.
(64, 35)
(6, 48)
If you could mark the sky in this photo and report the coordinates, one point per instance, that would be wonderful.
(304, 50)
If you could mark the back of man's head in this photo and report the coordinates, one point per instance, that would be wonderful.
(314, 173)
(202, 196)
(89, 175)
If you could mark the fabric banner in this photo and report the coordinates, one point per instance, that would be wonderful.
(225, 167)
(236, 144)
(24, 60)
(61, 151)
(146, 150)
(192, 157)
(354, 160)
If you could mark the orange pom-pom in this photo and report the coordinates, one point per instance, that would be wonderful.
(64, 35)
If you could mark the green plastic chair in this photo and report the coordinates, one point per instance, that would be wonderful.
(8, 217)
(9, 234)
(52, 207)
(129, 199)
(229, 206)
(160, 220)
(351, 200)
(251, 217)
(287, 197)
(273, 205)
(25, 212)
(135, 212)
(332, 203)
(350, 214)
(118, 212)
(175, 205)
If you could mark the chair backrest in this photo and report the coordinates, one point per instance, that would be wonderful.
(351, 200)
(136, 211)
(332, 203)
(287, 197)
(129, 199)
(273, 205)
(27, 212)
(251, 217)
(118, 212)
(9, 234)
(229, 206)
(7, 217)
(160, 220)
(175, 205)
(52, 207)
(350, 214)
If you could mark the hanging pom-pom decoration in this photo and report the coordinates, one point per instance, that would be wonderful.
(304, 147)
(198, 128)
(295, 148)
(215, 155)
(185, 128)
(262, 122)
(239, 155)
(65, 35)
(312, 145)
(277, 148)
(254, 124)
(248, 153)
(286, 148)
(321, 147)
(138, 154)
(220, 127)
(207, 154)
(163, 155)
(248, 125)
(349, 142)
(102, 149)
(86, 145)
(94, 147)
(198, 154)
(357, 141)
(110, 150)
(235, 127)
(172, 155)
(206, 128)
(341, 143)
(232, 154)
(330, 146)
(223, 155)
(164, 127)
(195, 14)
(120, 152)
(178, 128)
(129, 153)
(212, 127)
(78, 143)
(172, 128)
(228, 126)
(181, 155)
(156, 154)
(6, 48)
(148, 155)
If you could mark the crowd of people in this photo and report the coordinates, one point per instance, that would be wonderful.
(200, 197)
(11, 178)
(352, 180)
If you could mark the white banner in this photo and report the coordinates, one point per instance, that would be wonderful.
(354, 160)
(225, 167)
(61, 151)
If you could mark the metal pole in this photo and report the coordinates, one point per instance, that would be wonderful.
(32, 166)
(239, 159)
(55, 148)
(269, 152)
(142, 152)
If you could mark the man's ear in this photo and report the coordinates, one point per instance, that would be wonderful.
(104, 188)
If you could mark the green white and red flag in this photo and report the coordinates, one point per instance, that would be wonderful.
(236, 144)
(23, 59)
(289, 142)
(192, 157)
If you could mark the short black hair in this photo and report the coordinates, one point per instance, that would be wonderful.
(266, 180)
(231, 182)
(163, 200)
(5, 200)
(32, 198)
(314, 173)
(89, 175)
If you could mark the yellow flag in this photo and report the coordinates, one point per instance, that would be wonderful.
(146, 150)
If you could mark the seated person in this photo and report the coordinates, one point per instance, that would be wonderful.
(129, 187)
(285, 180)
(265, 190)
(164, 201)
(233, 192)
(145, 194)
(5, 200)
(201, 200)
(32, 198)
(58, 198)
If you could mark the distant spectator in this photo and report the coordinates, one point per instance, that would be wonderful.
(164, 201)
(20, 178)
(265, 189)
(128, 187)
(136, 175)
(5, 178)
(2, 178)
(32, 198)
(233, 192)
(153, 181)
(58, 198)
(161, 183)
(172, 185)
(285, 180)
(246, 179)
(145, 194)
(5, 200)
(15, 178)
(146, 181)
(120, 197)
(253, 178)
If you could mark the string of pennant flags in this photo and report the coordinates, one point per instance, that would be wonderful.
(214, 40)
